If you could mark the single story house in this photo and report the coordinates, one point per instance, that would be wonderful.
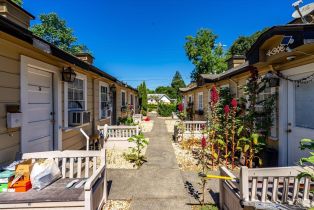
(40, 108)
(286, 52)
(158, 98)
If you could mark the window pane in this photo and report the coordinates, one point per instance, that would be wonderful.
(304, 106)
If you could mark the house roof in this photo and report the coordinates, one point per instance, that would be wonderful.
(26, 35)
(299, 32)
(190, 87)
(158, 96)
(21, 8)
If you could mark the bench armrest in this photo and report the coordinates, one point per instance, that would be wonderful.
(92, 180)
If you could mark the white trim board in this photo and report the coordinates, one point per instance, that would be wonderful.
(57, 129)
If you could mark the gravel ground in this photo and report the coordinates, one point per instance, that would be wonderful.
(115, 159)
(185, 159)
(117, 205)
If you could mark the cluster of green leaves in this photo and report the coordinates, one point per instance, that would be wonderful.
(152, 107)
(165, 110)
(206, 55)
(142, 91)
(18, 2)
(307, 144)
(126, 121)
(135, 155)
(243, 43)
(255, 123)
(54, 30)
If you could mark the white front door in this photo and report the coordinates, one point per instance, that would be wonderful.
(300, 116)
(38, 127)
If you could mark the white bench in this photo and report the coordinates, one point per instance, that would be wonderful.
(266, 188)
(78, 164)
(118, 136)
(190, 128)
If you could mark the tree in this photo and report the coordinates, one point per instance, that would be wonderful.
(18, 2)
(243, 43)
(169, 91)
(205, 54)
(55, 31)
(142, 90)
(177, 83)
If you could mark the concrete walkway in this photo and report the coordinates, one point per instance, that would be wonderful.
(158, 184)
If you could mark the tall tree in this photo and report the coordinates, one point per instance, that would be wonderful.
(142, 90)
(169, 91)
(205, 54)
(18, 2)
(243, 43)
(177, 83)
(54, 30)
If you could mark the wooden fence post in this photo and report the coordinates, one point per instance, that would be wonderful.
(244, 183)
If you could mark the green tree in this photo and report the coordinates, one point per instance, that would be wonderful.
(177, 83)
(142, 90)
(18, 2)
(243, 43)
(169, 91)
(205, 54)
(54, 30)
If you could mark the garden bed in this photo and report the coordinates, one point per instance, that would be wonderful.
(185, 158)
(116, 160)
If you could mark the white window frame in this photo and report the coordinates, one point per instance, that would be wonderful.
(198, 99)
(66, 108)
(125, 98)
(103, 84)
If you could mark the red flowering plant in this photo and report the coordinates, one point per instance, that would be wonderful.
(227, 129)
(213, 119)
(234, 107)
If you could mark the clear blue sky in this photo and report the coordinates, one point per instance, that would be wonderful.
(143, 39)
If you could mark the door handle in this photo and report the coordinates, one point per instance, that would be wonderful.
(289, 131)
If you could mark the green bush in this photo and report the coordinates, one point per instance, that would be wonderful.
(165, 110)
(152, 107)
(125, 121)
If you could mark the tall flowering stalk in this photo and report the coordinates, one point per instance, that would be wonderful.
(234, 105)
(213, 120)
(204, 167)
(227, 112)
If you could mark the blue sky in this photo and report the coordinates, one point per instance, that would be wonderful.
(138, 40)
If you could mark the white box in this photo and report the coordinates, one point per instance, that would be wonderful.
(14, 120)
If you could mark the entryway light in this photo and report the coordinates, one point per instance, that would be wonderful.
(68, 75)
(272, 80)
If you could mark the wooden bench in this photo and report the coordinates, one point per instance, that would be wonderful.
(89, 165)
(266, 188)
(190, 129)
(118, 136)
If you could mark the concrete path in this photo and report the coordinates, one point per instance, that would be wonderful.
(159, 184)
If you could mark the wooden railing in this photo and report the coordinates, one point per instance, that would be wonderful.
(266, 187)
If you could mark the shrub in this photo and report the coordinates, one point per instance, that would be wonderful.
(135, 156)
(165, 110)
(125, 121)
(152, 107)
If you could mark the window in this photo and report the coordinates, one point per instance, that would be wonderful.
(200, 101)
(132, 99)
(190, 99)
(75, 99)
(268, 92)
(76, 95)
(123, 99)
(104, 100)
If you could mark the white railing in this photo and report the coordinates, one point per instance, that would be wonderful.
(266, 187)
(137, 118)
(117, 136)
(194, 126)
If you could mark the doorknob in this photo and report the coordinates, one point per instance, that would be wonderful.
(289, 131)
